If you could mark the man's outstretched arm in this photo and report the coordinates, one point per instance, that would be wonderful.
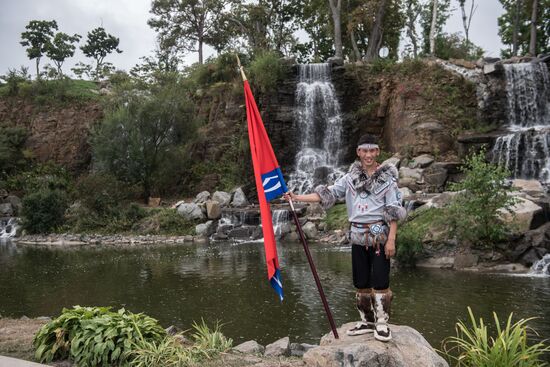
(307, 198)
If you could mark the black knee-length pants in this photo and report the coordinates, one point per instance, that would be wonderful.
(369, 269)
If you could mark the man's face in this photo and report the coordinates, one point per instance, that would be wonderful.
(368, 156)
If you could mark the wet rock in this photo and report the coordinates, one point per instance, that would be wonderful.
(279, 348)
(239, 198)
(213, 209)
(422, 161)
(408, 348)
(190, 211)
(202, 197)
(250, 347)
(310, 230)
(171, 330)
(205, 229)
(222, 197)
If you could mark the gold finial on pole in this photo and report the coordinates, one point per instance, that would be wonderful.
(241, 68)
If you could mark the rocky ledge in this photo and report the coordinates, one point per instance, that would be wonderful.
(408, 348)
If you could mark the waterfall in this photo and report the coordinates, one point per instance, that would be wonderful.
(8, 227)
(281, 222)
(525, 151)
(541, 267)
(319, 125)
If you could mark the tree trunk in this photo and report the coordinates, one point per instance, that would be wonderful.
(200, 50)
(375, 37)
(354, 45)
(335, 10)
(533, 39)
(464, 19)
(37, 68)
(515, 30)
(411, 24)
(433, 28)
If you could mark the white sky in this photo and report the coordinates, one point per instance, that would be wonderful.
(127, 20)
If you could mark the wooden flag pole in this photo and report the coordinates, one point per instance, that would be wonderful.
(306, 249)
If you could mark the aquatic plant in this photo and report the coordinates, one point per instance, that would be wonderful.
(472, 345)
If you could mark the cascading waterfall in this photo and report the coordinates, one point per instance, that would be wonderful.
(281, 222)
(526, 150)
(541, 267)
(319, 123)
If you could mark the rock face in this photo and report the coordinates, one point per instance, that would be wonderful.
(407, 349)
(239, 198)
(222, 197)
(279, 348)
(523, 213)
(250, 347)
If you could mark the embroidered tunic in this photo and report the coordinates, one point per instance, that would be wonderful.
(368, 198)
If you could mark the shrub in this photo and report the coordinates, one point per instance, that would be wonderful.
(473, 346)
(337, 217)
(266, 70)
(100, 193)
(41, 176)
(14, 78)
(12, 154)
(93, 336)
(474, 212)
(411, 234)
(43, 211)
(164, 222)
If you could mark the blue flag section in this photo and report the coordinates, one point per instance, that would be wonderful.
(274, 184)
(277, 284)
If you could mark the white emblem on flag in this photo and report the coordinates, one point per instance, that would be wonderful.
(274, 187)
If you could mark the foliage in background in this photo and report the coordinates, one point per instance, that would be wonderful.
(454, 46)
(13, 156)
(61, 47)
(474, 213)
(411, 233)
(40, 176)
(142, 132)
(37, 39)
(337, 217)
(43, 211)
(94, 336)
(506, 25)
(206, 344)
(98, 45)
(13, 79)
(510, 347)
(266, 70)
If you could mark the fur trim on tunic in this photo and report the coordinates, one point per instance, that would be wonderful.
(394, 213)
(327, 197)
(361, 182)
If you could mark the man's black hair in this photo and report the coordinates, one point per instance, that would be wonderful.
(367, 139)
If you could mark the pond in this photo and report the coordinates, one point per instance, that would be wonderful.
(228, 282)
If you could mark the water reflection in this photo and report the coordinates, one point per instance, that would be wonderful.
(228, 282)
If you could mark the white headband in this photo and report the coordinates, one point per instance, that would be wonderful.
(368, 146)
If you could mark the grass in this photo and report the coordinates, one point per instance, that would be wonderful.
(337, 217)
(46, 92)
(510, 347)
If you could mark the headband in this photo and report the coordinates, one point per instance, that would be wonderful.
(368, 146)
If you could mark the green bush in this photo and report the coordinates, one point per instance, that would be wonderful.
(14, 78)
(94, 336)
(101, 193)
(337, 217)
(473, 347)
(207, 344)
(43, 211)
(13, 156)
(41, 176)
(474, 213)
(120, 219)
(411, 234)
(266, 70)
(164, 222)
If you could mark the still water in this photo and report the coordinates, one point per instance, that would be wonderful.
(227, 282)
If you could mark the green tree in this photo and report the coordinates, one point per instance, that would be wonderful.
(454, 46)
(98, 45)
(515, 27)
(315, 19)
(37, 39)
(143, 133)
(12, 155)
(443, 13)
(187, 24)
(61, 47)
(474, 215)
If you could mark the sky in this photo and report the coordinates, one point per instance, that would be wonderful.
(127, 20)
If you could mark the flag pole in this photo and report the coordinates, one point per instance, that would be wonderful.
(306, 248)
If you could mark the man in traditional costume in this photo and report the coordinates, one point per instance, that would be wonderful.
(374, 206)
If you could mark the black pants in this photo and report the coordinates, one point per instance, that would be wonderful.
(369, 269)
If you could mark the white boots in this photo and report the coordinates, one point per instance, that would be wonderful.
(364, 306)
(382, 302)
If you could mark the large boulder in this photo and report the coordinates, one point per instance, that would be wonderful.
(408, 348)
(310, 230)
(250, 347)
(422, 161)
(202, 197)
(15, 203)
(6, 210)
(521, 215)
(410, 173)
(213, 209)
(530, 187)
(222, 197)
(279, 348)
(239, 198)
(394, 161)
(190, 211)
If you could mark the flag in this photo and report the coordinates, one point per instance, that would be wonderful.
(270, 184)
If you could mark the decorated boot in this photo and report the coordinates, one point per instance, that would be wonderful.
(382, 302)
(365, 308)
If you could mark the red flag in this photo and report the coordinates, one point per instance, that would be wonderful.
(269, 183)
